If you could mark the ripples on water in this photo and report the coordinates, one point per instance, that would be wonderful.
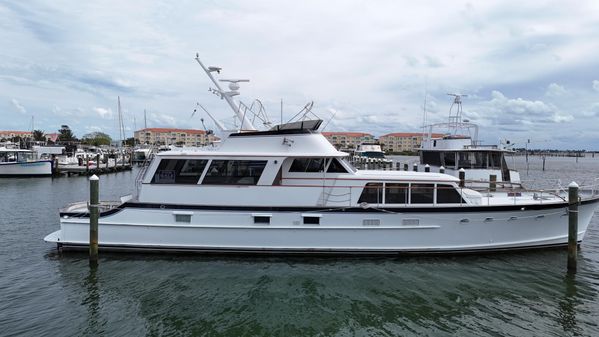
(43, 292)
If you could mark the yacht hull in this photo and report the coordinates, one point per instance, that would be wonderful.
(26, 169)
(143, 227)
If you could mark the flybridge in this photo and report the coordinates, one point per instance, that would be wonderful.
(249, 116)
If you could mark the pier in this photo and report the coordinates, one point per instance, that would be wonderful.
(89, 168)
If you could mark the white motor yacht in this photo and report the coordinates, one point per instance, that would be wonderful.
(459, 148)
(288, 190)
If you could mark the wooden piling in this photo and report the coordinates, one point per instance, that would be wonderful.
(572, 226)
(442, 169)
(86, 165)
(492, 183)
(94, 200)
(427, 168)
(405, 166)
(462, 176)
(543, 163)
(98, 163)
(415, 167)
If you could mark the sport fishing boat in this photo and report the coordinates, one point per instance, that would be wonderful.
(23, 163)
(370, 151)
(459, 148)
(288, 190)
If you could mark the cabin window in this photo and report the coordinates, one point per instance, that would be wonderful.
(422, 193)
(495, 160)
(472, 159)
(431, 158)
(447, 194)
(307, 165)
(336, 167)
(311, 220)
(396, 193)
(234, 172)
(265, 220)
(448, 159)
(372, 193)
(179, 171)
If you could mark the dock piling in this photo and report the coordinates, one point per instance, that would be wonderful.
(572, 226)
(442, 169)
(415, 167)
(492, 183)
(462, 176)
(427, 168)
(94, 201)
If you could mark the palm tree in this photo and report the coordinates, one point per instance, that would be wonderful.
(38, 136)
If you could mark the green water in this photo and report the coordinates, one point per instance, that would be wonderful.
(44, 293)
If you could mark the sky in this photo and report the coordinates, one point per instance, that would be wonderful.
(530, 68)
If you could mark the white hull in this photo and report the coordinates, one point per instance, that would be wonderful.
(24, 169)
(338, 232)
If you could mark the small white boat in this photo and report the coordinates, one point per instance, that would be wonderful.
(370, 151)
(288, 190)
(23, 163)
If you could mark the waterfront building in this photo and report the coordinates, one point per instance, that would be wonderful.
(11, 134)
(348, 140)
(403, 141)
(169, 136)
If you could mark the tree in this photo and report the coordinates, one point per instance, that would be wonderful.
(96, 139)
(131, 141)
(65, 134)
(38, 136)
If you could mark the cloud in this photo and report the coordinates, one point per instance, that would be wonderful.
(18, 106)
(103, 112)
(596, 85)
(504, 111)
(555, 90)
(592, 111)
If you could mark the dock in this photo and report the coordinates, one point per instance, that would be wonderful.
(110, 166)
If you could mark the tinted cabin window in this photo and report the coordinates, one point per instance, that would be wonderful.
(396, 193)
(179, 171)
(372, 193)
(449, 159)
(336, 167)
(422, 193)
(234, 172)
(431, 158)
(495, 160)
(307, 165)
(447, 194)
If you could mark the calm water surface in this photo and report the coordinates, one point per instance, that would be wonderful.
(44, 293)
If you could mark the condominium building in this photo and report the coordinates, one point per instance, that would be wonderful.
(10, 134)
(167, 136)
(348, 140)
(403, 141)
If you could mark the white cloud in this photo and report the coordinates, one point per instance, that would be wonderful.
(504, 111)
(103, 112)
(555, 90)
(596, 85)
(18, 106)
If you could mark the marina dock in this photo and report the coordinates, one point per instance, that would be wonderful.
(88, 170)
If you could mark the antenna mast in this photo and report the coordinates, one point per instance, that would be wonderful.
(227, 96)
(455, 120)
